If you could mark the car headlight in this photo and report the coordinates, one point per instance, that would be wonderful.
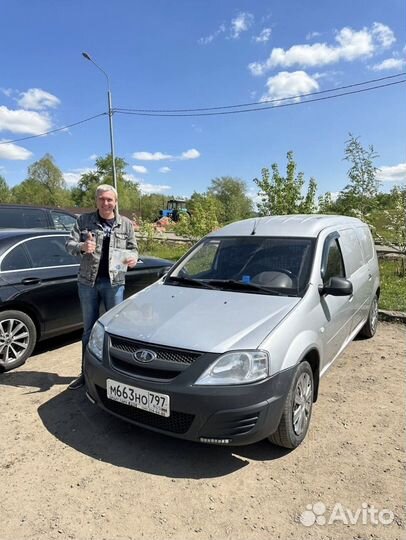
(238, 367)
(96, 341)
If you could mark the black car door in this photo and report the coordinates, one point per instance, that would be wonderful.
(48, 284)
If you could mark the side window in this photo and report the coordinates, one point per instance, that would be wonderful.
(366, 242)
(352, 252)
(16, 260)
(333, 265)
(62, 221)
(33, 218)
(49, 251)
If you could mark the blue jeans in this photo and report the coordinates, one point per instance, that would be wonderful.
(91, 299)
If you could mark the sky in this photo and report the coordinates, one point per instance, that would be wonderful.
(163, 55)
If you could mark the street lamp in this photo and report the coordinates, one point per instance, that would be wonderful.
(113, 157)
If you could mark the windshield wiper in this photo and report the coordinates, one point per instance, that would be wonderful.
(243, 286)
(189, 281)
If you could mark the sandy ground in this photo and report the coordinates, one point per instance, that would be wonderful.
(69, 470)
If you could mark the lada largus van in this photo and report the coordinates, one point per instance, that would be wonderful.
(230, 346)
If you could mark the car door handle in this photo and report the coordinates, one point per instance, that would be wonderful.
(31, 281)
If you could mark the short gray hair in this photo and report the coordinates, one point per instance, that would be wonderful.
(106, 187)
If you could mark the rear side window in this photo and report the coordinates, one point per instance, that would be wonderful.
(366, 242)
(49, 251)
(16, 260)
(352, 252)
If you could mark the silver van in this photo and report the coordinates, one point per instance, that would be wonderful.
(230, 346)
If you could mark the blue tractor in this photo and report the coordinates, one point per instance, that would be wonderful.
(174, 209)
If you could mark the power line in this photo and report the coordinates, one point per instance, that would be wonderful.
(370, 81)
(218, 113)
(54, 130)
(221, 111)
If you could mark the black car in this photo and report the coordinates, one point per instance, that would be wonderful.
(22, 216)
(38, 290)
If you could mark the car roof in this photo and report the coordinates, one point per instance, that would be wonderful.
(27, 233)
(306, 225)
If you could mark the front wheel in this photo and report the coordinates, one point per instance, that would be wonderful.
(18, 336)
(297, 410)
(369, 328)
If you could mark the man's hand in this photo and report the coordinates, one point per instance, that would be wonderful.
(131, 262)
(89, 246)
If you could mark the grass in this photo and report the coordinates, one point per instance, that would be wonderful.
(173, 252)
(393, 284)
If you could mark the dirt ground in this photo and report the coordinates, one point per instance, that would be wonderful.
(69, 470)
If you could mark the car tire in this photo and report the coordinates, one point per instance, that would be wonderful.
(18, 337)
(369, 328)
(297, 410)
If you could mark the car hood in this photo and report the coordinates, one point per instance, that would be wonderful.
(198, 319)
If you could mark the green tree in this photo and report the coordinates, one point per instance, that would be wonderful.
(326, 204)
(232, 196)
(202, 218)
(151, 204)
(45, 177)
(282, 195)
(359, 196)
(5, 193)
(84, 193)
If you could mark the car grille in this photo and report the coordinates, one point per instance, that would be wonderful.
(176, 423)
(179, 356)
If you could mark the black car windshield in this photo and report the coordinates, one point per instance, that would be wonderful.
(249, 264)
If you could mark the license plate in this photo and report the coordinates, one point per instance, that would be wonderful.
(137, 397)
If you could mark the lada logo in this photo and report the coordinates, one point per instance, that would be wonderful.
(144, 355)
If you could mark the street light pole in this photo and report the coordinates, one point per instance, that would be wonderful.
(110, 112)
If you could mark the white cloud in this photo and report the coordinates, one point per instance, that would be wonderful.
(38, 100)
(151, 156)
(153, 188)
(93, 157)
(13, 152)
(190, 154)
(263, 36)
(393, 173)
(240, 24)
(7, 91)
(140, 169)
(286, 84)
(208, 39)
(390, 63)
(351, 45)
(72, 177)
(383, 34)
(19, 121)
(164, 170)
(312, 35)
(160, 156)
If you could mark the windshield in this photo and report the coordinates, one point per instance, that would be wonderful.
(253, 264)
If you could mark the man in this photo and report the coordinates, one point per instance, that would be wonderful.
(95, 237)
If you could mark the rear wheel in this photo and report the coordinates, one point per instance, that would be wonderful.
(369, 328)
(18, 336)
(297, 410)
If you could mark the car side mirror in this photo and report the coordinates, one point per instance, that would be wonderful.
(336, 286)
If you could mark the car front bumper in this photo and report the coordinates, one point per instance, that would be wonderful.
(228, 415)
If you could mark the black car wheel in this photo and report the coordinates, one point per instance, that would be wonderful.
(18, 336)
(297, 411)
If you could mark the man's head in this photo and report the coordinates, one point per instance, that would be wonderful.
(106, 200)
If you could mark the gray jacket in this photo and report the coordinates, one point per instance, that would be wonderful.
(122, 237)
